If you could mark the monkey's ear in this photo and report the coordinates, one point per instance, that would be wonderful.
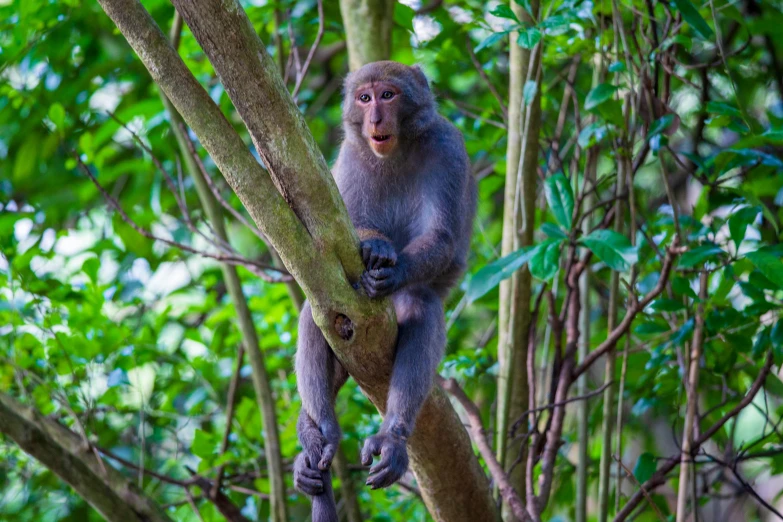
(418, 74)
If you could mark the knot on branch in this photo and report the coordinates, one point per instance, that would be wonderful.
(344, 327)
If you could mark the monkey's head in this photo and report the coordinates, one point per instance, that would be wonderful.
(385, 103)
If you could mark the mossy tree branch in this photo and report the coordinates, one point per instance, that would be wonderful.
(296, 205)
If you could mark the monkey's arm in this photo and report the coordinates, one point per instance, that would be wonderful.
(427, 255)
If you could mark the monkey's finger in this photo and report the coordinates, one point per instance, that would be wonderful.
(371, 447)
(328, 455)
(308, 485)
(309, 473)
(382, 479)
(381, 273)
(381, 465)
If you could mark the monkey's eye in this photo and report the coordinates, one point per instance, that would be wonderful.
(387, 95)
(365, 98)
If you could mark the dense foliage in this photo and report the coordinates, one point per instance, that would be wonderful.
(130, 339)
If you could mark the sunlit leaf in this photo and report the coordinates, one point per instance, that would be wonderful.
(694, 19)
(560, 199)
(612, 248)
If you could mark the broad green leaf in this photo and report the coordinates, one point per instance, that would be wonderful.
(645, 466)
(666, 305)
(617, 67)
(753, 199)
(528, 38)
(529, 92)
(560, 199)
(660, 125)
(57, 115)
(598, 95)
(694, 19)
(700, 254)
(489, 276)
(553, 231)
(612, 248)
(739, 222)
(504, 11)
(545, 262)
(204, 444)
(769, 261)
(592, 135)
(403, 16)
(490, 40)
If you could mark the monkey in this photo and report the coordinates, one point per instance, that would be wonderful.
(404, 175)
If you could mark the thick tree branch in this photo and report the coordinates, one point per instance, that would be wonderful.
(308, 225)
(72, 459)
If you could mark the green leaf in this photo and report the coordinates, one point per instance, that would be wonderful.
(700, 254)
(529, 92)
(645, 467)
(203, 444)
(490, 40)
(489, 276)
(403, 15)
(660, 125)
(57, 115)
(612, 248)
(528, 38)
(553, 231)
(666, 305)
(739, 221)
(560, 199)
(617, 67)
(770, 263)
(753, 199)
(694, 19)
(598, 95)
(504, 11)
(544, 263)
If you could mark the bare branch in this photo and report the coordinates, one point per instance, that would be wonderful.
(479, 436)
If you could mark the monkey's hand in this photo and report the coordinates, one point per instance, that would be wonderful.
(377, 253)
(307, 478)
(381, 282)
(319, 445)
(393, 463)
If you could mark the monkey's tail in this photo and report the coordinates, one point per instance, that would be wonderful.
(324, 506)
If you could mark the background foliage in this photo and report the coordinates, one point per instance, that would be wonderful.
(132, 342)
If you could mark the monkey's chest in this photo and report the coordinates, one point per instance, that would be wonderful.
(401, 218)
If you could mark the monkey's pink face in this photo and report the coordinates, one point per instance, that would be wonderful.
(379, 103)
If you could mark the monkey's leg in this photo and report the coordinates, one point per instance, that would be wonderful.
(421, 340)
(318, 377)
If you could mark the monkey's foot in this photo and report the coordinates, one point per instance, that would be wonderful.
(306, 479)
(377, 253)
(393, 463)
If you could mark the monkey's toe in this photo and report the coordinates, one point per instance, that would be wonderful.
(306, 479)
(393, 463)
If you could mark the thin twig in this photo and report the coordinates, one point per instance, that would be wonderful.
(300, 75)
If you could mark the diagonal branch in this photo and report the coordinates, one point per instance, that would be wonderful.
(69, 457)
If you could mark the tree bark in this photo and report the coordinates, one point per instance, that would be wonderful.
(72, 459)
(518, 219)
(297, 206)
(368, 29)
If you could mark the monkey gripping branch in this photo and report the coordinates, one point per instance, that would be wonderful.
(295, 203)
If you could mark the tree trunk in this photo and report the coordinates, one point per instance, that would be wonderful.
(518, 217)
(296, 204)
(368, 29)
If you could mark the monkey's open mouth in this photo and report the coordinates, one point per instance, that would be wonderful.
(381, 138)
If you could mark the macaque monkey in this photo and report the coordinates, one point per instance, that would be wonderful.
(405, 177)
